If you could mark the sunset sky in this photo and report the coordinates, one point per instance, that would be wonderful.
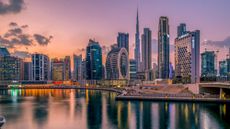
(67, 25)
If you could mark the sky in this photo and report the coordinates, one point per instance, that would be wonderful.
(63, 27)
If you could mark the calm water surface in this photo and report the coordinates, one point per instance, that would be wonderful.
(79, 109)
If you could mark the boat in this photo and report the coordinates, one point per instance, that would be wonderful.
(2, 121)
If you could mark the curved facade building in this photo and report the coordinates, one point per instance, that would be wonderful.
(117, 64)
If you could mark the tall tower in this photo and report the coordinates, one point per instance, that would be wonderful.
(163, 48)
(146, 49)
(40, 67)
(137, 44)
(93, 61)
(77, 62)
(123, 40)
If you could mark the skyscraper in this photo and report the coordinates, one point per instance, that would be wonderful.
(83, 69)
(146, 41)
(11, 68)
(132, 69)
(77, 70)
(40, 67)
(223, 68)
(117, 64)
(187, 57)
(67, 69)
(208, 59)
(57, 69)
(4, 52)
(123, 40)
(137, 45)
(93, 61)
(181, 29)
(27, 71)
(163, 48)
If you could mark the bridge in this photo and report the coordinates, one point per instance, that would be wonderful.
(216, 88)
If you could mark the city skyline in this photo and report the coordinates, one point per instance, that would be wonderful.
(84, 20)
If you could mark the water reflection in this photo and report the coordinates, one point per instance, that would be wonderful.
(79, 109)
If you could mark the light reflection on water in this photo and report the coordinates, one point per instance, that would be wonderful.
(85, 109)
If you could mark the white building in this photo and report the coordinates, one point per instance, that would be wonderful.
(40, 67)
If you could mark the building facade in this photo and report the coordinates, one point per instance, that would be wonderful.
(146, 41)
(223, 68)
(57, 69)
(27, 71)
(123, 40)
(4, 52)
(163, 48)
(181, 29)
(133, 69)
(40, 67)
(83, 69)
(117, 64)
(146, 38)
(77, 69)
(67, 65)
(11, 68)
(93, 61)
(208, 59)
(187, 57)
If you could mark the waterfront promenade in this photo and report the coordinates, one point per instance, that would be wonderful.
(180, 94)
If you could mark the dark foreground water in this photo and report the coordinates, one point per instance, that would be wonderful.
(79, 109)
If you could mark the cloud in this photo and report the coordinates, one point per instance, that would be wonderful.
(223, 43)
(24, 26)
(42, 40)
(16, 36)
(13, 6)
(21, 54)
(13, 24)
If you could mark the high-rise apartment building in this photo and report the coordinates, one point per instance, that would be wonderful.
(40, 67)
(57, 69)
(11, 68)
(163, 48)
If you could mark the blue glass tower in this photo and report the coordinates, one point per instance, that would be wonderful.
(93, 61)
(163, 48)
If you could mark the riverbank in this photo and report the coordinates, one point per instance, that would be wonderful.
(129, 94)
(171, 99)
(119, 91)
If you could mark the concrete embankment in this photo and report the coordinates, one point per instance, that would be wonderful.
(171, 99)
(67, 87)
